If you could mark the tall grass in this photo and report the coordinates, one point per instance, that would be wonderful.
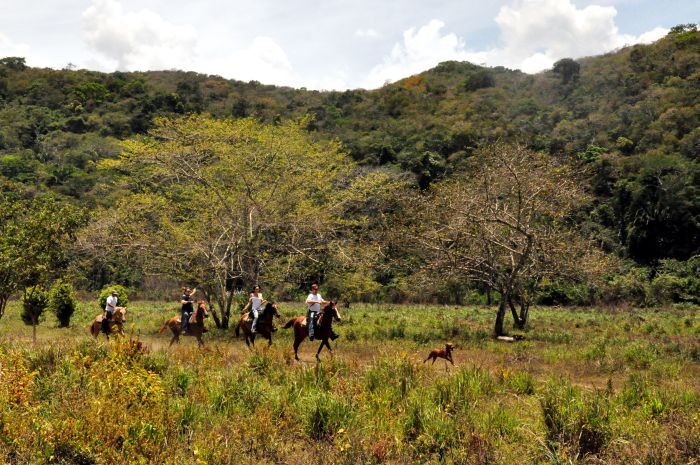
(599, 395)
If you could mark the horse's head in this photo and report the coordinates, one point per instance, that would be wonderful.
(119, 315)
(449, 347)
(202, 311)
(331, 309)
(271, 309)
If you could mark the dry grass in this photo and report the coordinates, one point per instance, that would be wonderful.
(585, 387)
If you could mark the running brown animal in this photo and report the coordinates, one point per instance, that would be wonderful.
(322, 331)
(116, 325)
(196, 327)
(445, 353)
(264, 328)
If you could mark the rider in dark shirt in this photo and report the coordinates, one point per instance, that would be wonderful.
(187, 308)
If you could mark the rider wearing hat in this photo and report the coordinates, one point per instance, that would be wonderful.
(187, 307)
(110, 306)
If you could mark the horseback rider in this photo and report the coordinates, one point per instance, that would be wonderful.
(187, 307)
(314, 302)
(256, 301)
(110, 306)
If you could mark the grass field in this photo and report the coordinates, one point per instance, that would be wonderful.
(585, 386)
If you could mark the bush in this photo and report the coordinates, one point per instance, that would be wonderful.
(577, 423)
(631, 287)
(122, 295)
(62, 302)
(34, 302)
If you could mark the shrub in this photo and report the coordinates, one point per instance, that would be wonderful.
(632, 287)
(122, 295)
(575, 422)
(327, 416)
(62, 302)
(34, 302)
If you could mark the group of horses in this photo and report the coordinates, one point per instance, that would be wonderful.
(323, 328)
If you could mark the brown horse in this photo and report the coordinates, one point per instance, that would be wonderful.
(264, 328)
(322, 330)
(196, 327)
(116, 325)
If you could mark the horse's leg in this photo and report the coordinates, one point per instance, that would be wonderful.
(297, 341)
(319, 349)
(269, 340)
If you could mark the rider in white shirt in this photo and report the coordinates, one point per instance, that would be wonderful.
(313, 302)
(110, 306)
(256, 300)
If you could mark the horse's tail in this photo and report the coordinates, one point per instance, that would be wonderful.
(289, 324)
(163, 328)
(237, 328)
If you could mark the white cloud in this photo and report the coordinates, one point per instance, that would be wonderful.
(136, 40)
(533, 35)
(367, 34)
(536, 33)
(143, 40)
(8, 48)
(421, 49)
(263, 60)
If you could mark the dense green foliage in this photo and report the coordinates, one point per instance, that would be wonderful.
(627, 121)
(62, 302)
(34, 301)
(122, 295)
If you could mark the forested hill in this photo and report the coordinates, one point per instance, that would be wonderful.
(632, 118)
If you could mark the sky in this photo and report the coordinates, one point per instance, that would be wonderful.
(330, 44)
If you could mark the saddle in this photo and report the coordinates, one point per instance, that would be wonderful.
(249, 314)
(316, 317)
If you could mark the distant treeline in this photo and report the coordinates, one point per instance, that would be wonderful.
(628, 121)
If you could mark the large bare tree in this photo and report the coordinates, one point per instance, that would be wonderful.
(506, 226)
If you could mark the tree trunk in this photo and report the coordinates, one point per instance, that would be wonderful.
(34, 331)
(524, 312)
(489, 299)
(513, 311)
(501, 315)
(212, 308)
(3, 303)
(517, 319)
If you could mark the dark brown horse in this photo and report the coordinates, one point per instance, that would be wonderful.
(195, 328)
(323, 329)
(264, 328)
(115, 325)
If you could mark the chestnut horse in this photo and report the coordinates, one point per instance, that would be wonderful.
(115, 325)
(322, 329)
(264, 328)
(195, 328)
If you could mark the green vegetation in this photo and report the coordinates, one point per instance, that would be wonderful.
(62, 302)
(587, 386)
(628, 116)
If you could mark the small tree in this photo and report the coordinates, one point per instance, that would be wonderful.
(122, 295)
(62, 302)
(34, 302)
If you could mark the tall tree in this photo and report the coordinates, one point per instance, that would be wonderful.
(221, 202)
(505, 226)
(34, 235)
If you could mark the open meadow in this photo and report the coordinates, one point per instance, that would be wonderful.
(585, 386)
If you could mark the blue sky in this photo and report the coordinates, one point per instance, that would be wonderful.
(330, 44)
